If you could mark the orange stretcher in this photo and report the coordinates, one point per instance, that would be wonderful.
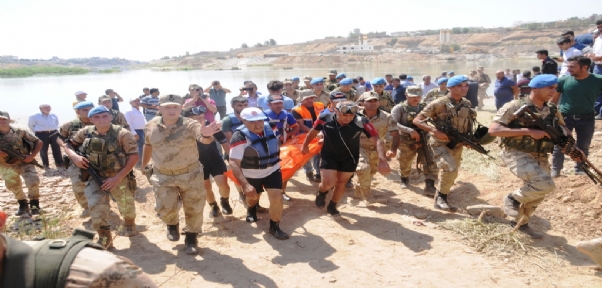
(291, 157)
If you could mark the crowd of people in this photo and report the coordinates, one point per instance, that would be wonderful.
(360, 124)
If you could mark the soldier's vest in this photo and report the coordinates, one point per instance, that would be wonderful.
(527, 143)
(461, 117)
(46, 263)
(114, 113)
(75, 126)
(263, 152)
(410, 114)
(385, 101)
(236, 123)
(104, 154)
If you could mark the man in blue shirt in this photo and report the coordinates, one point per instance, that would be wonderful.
(505, 89)
(150, 104)
(218, 94)
(365, 83)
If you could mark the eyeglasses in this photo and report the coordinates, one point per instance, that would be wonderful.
(198, 110)
(348, 109)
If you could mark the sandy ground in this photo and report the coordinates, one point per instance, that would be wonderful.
(380, 246)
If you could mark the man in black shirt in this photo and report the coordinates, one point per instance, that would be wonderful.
(341, 149)
(548, 65)
(212, 164)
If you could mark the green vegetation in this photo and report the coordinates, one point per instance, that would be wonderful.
(112, 70)
(29, 71)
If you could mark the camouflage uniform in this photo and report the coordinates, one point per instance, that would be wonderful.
(323, 98)
(404, 114)
(12, 173)
(66, 132)
(108, 159)
(331, 85)
(177, 171)
(294, 96)
(119, 119)
(461, 117)
(526, 157)
(482, 94)
(386, 101)
(432, 95)
(351, 95)
(367, 165)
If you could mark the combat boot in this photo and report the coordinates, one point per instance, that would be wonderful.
(105, 239)
(173, 232)
(405, 182)
(429, 187)
(252, 214)
(85, 213)
(442, 204)
(261, 209)
(527, 230)
(226, 209)
(214, 210)
(321, 199)
(23, 208)
(276, 232)
(34, 205)
(592, 248)
(130, 228)
(191, 243)
(511, 206)
(332, 209)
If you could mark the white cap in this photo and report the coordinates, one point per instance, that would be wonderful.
(80, 93)
(132, 99)
(252, 114)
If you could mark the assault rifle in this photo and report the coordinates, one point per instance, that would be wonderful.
(424, 148)
(16, 156)
(565, 142)
(91, 172)
(456, 137)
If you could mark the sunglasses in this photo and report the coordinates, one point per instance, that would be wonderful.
(198, 110)
(348, 109)
(197, 89)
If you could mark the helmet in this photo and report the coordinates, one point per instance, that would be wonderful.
(482, 135)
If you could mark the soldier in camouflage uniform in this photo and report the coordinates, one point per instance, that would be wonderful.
(317, 86)
(455, 110)
(345, 87)
(525, 150)
(307, 80)
(289, 91)
(171, 142)
(12, 169)
(66, 132)
(384, 97)
(484, 82)
(368, 161)
(437, 92)
(118, 117)
(331, 80)
(411, 142)
(112, 152)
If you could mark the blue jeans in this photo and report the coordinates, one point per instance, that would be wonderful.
(140, 134)
(598, 69)
(316, 163)
(149, 117)
(584, 129)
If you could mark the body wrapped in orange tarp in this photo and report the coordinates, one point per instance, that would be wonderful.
(291, 157)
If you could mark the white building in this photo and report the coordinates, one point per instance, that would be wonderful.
(444, 36)
(399, 34)
(8, 58)
(355, 49)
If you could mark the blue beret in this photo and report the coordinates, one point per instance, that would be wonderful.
(453, 81)
(378, 81)
(410, 77)
(295, 78)
(83, 104)
(342, 75)
(97, 110)
(346, 81)
(544, 80)
(451, 72)
(316, 80)
(441, 80)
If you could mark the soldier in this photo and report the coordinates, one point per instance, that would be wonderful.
(118, 118)
(254, 160)
(66, 132)
(80, 96)
(456, 111)
(484, 81)
(338, 80)
(437, 92)
(307, 81)
(112, 152)
(384, 97)
(332, 80)
(176, 172)
(290, 91)
(317, 86)
(411, 141)
(369, 158)
(296, 82)
(525, 150)
(13, 168)
(345, 86)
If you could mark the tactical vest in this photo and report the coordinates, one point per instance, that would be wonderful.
(527, 143)
(306, 115)
(236, 123)
(461, 117)
(410, 114)
(46, 263)
(385, 101)
(263, 152)
(75, 126)
(104, 154)
(114, 113)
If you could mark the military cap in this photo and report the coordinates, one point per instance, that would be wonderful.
(98, 110)
(414, 91)
(170, 99)
(346, 81)
(453, 81)
(544, 80)
(379, 81)
(83, 104)
(307, 78)
(4, 115)
(336, 96)
(306, 94)
(367, 96)
(341, 75)
(252, 114)
(441, 80)
(103, 98)
(295, 78)
(287, 80)
(316, 81)
(332, 72)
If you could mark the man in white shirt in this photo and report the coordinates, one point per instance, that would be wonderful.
(568, 51)
(597, 50)
(427, 85)
(45, 125)
(137, 122)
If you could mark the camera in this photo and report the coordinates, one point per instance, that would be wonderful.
(204, 96)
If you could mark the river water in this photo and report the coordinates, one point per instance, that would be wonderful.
(22, 96)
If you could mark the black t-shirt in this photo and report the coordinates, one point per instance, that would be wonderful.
(341, 142)
(549, 66)
(311, 111)
(208, 153)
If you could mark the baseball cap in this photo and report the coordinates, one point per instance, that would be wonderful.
(97, 110)
(367, 96)
(170, 99)
(336, 96)
(80, 93)
(332, 72)
(306, 94)
(252, 114)
(414, 91)
(275, 99)
(4, 115)
(104, 98)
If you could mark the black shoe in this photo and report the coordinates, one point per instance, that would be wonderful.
(173, 232)
(261, 209)
(527, 230)
(309, 176)
(286, 197)
(23, 208)
(318, 178)
(511, 206)
(275, 230)
(405, 182)
(34, 205)
(442, 204)
(252, 214)
(321, 199)
(214, 210)
(191, 243)
(429, 187)
(225, 203)
(332, 209)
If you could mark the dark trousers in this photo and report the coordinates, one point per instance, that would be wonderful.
(56, 149)
(222, 111)
(140, 133)
(584, 128)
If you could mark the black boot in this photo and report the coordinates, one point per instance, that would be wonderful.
(321, 199)
(191, 243)
(34, 205)
(429, 187)
(442, 204)
(23, 208)
(405, 182)
(173, 232)
(261, 209)
(214, 210)
(252, 214)
(275, 230)
(226, 209)
(332, 209)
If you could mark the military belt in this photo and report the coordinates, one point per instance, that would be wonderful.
(178, 171)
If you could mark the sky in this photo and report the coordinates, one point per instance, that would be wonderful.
(147, 30)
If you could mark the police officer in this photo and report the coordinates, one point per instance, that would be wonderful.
(170, 140)
(254, 160)
(484, 82)
(118, 118)
(66, 132)
(384, 97)
(525, 150)
(455, 110)
(369, 159)
(436, 92)
(411, 141)
(345, 87)
(13, 168)
(112, 152)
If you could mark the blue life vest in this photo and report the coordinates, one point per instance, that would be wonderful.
(263, 152)
(277, 120)
(235, 122)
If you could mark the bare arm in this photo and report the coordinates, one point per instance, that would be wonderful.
(210, 106)
(396, 140)
(310, 137)
(226, 90)
(119, 99)
(515, 91)
(302, 126)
